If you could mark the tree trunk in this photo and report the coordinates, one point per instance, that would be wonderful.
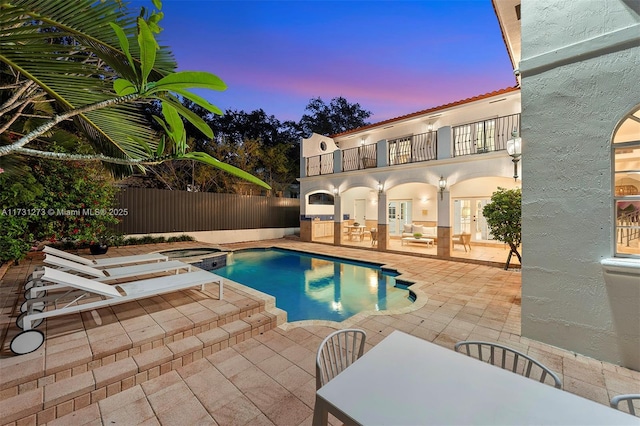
(514, 250)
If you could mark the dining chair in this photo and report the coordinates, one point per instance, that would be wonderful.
(337, 351)
(629, 398)
(464, 239)
(508, 359)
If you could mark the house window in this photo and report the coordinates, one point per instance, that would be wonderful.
(626, 191)
(321, 199)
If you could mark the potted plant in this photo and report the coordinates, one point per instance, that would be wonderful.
(417, 235)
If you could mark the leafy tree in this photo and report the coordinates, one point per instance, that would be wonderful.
(252, 141)
(337, 117)
(97, 66)
(54, 201)
(78, 198)
(16, 237)
(504, 217)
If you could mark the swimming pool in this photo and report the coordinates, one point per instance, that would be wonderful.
(316, 287)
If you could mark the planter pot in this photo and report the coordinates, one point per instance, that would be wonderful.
(96, 249)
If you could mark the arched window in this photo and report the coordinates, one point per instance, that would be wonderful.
(321, 198)
(626, 181)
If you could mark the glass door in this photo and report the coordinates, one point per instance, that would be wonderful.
(468, 218)
(462, 216)
(399, 215)
(482, 228)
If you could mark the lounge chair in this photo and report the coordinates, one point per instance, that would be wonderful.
(107, 274)
(109, 261)
(32, 289)
(79, 289)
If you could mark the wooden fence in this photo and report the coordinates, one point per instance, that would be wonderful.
(144, 211)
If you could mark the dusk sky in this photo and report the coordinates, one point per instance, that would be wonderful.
(392, 57)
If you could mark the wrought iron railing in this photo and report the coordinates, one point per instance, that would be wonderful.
(411, 149)
(484, 136)
(361, 157)
(320, 165)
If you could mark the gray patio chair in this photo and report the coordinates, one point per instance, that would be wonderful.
(629, 398)
(508, 359)
(337, 351)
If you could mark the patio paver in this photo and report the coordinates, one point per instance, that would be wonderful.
(269, 378)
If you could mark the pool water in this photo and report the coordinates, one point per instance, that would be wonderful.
(316, 287)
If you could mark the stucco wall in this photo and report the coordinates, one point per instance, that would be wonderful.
(569, 111)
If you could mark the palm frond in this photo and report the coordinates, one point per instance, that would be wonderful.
(71, 51)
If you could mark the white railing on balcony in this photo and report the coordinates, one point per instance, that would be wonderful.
(358, 158)
(411, 149)
(484, 136)
(320, 164)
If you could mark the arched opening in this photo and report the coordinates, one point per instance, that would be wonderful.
(626, 185)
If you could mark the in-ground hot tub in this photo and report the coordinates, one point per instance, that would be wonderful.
(207, 258)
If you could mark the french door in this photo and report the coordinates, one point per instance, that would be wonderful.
(468, 218)
(399, 214)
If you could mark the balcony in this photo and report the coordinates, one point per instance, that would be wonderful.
(358, 158)
(320, 165)
(411, 149)
(484, 136)
(465, 139)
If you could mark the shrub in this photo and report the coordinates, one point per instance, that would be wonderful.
(504, 217)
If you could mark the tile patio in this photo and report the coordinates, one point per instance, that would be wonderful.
(148, 363)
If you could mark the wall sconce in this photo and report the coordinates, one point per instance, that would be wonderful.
(442, 184)
(380, 187)
(423, 200)
(514, 149)
(335, 190)
(429, 127)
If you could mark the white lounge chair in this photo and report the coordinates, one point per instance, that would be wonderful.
(79, 289)
(33, 290)
(108, 261)
(107, 274)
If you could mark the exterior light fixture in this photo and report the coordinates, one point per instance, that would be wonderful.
(380, 187)
(429, 127)
(335, 190)
(442, 184)
(514, 149)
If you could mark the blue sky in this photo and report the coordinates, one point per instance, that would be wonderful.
(392, 57)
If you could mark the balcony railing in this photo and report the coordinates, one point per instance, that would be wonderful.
(484, 136)
(320, 164)
(411, 149)
(361, 157)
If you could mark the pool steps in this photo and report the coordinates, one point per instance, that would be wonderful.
(70, 383)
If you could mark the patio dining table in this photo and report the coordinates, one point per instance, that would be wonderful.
(356, 231)
(404, 380)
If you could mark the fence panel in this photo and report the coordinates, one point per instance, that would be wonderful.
(157, 210)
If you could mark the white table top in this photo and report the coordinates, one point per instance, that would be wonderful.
(405, 380)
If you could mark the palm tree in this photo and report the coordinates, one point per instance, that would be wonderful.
(92, 67)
